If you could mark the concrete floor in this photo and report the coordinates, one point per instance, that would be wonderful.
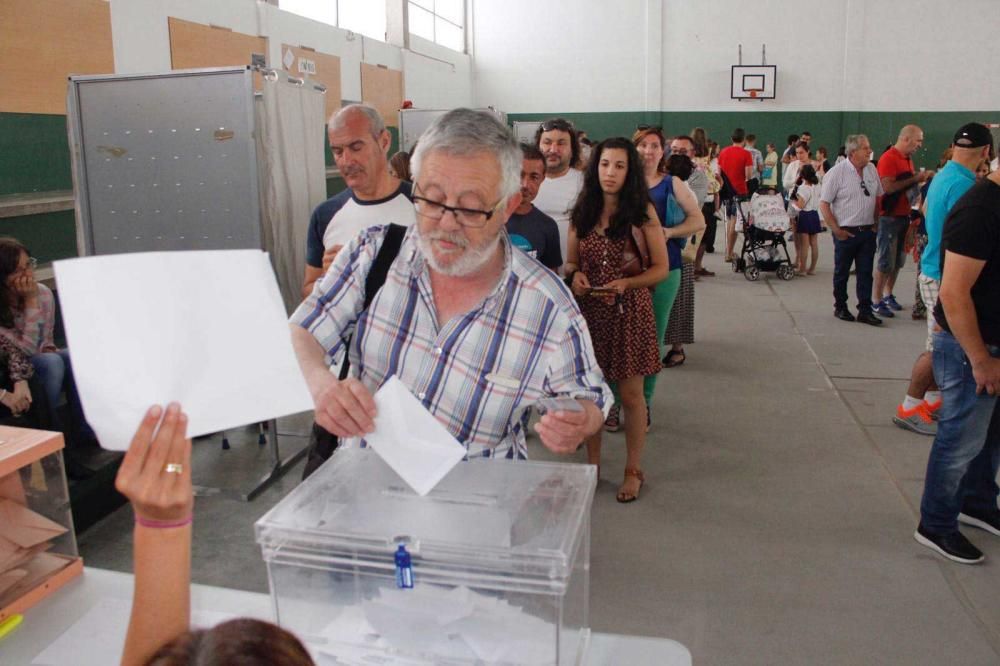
(776, 523)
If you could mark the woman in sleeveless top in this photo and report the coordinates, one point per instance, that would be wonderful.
(619, 316)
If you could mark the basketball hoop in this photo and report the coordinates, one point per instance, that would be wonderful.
(753, 94)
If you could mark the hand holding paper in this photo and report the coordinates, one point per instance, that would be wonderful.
(411, 440)
(205, 329)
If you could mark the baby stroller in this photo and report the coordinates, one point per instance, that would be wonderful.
(764, 228)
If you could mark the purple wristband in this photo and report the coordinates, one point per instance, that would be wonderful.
(164, 524)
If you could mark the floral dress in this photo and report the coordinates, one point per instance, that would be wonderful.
(624, 332)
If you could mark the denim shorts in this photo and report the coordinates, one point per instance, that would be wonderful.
(890, 254)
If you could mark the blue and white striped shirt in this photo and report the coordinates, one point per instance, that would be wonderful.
(477, 373)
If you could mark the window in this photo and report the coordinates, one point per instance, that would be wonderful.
(361, 16)
(439, 21)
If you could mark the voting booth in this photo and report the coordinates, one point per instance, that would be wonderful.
(37, 545)
(489, 567)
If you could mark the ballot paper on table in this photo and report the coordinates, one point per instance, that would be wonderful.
(206, 329)
(410, 440)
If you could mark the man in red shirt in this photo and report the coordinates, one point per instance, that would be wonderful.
(900, 181)
(736, 164)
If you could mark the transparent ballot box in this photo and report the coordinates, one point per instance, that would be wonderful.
(37, 545)
(490, 567)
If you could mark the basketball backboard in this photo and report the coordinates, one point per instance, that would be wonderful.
(753, 81)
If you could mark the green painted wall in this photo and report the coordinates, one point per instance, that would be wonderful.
(49, 236)
(34, 153)
(829, 128)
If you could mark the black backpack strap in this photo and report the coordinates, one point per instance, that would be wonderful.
(322, 444)
(377, 274)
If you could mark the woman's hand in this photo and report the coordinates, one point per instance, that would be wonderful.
(155, 493)
(25, 285)
(22, 396)
(581, 285)
(620, 286)
(10, 402)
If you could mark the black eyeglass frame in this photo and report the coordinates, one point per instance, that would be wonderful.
(864, 188)
(456, 211)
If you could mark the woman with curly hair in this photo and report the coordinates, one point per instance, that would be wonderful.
(618, 308)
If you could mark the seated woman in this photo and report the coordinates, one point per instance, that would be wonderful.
(16, 369)
(155, 476)
(27, 319)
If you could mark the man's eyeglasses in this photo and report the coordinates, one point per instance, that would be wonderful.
(467, 217)
(557, 124)
(864, 188)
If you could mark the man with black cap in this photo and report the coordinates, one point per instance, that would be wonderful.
(971, 143)
(960, 486)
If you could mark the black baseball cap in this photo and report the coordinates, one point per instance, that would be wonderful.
(973, 135)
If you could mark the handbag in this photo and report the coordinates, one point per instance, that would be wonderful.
(635, 256)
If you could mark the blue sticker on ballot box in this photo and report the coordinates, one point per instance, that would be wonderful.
(404, 569)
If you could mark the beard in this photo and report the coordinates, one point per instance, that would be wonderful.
(468, 260)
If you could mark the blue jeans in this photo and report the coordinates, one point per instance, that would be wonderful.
(53, 375)
(962, 467)
(858, 250)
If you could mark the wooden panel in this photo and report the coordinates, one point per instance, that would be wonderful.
(383, 89)
(44, 41)
(327, 72)
(195, 45)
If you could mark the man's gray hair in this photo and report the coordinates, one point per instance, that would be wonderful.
(853, 142)
(466, 132)
(339, 118)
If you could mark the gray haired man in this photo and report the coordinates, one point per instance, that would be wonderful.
(476, 331)
(850, 190)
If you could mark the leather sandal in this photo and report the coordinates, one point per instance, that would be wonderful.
(624, 497)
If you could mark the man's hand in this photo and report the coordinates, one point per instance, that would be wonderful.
(924, 176)
(329, 256)
(562, 431)
(840, 233)
(987, 375)
(346, 408)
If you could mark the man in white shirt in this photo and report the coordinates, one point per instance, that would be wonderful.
(360, 146)
(850, 191)
(557, 139)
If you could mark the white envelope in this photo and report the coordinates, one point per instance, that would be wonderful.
(410, 439)
(207, 329)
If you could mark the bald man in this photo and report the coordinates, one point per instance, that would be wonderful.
(901, 182)
(359, 142)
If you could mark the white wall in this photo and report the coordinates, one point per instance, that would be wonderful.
(675, 55)
(142, 44)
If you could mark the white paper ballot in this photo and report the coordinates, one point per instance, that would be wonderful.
(206, 329)
(410, 439)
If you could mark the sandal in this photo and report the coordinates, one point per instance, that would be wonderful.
(671, 359)
(613, 423)
(704, 272)
(625, 497)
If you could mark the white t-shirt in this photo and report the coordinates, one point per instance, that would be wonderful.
(556, 198)
(810, 194)
(356, 215)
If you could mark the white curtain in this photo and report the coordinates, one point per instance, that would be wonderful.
(290, 120)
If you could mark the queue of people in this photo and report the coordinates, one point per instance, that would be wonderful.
(494, 278)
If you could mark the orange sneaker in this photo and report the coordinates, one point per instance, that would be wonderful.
(932, 408)
(917, 420)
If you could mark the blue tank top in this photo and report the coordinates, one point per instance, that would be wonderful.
(670, 214)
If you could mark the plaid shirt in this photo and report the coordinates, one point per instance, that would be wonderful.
(479, 372)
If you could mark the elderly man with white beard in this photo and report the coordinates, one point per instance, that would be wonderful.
(476, 331)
